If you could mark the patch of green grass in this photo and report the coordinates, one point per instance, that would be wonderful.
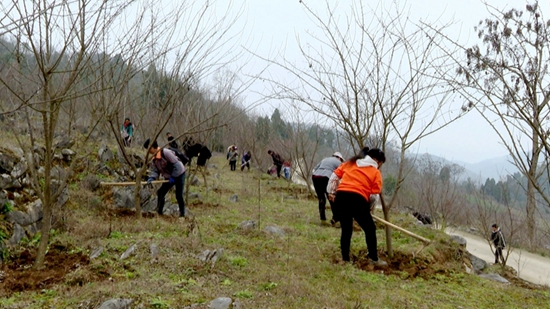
(238, 261)
(116, 235)
(227, 282)
(160, 303)
(244, 294)
(268, 286)
(7, 207)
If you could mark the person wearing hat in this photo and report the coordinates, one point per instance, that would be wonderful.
(320, 177)
(166, 163)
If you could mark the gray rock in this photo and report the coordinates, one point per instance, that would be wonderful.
(63, 197)
(459, 240)
(18, 234)
(220, 303)
(234, 198)
(211, 256)
(119, 303)
(63, 142)
(58, 173)
(6, 163)
(19, 170)
(248, 225)
(149, 204)
(5, 181)
(40, 154)
(105, 154)
(4, 198)
(130, 251)
(124, 198)
(171, 209)
(494, 277)
(91, 182)
(154, 250)
(67, 154)
(274, 230)
(96, 252)
(34, 213)
(477, 264)
(41, 172)
(213, 166)
(195, 181)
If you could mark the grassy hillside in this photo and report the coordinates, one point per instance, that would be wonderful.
(300, 269)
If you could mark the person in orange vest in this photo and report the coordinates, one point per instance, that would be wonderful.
(358, 181)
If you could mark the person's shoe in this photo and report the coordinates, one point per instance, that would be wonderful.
(378, 262)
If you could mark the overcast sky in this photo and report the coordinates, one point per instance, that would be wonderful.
(271, 27)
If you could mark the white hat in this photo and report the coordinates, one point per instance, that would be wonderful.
(338, 155)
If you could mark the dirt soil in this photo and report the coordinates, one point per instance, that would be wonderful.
(17, 274)
(402, 264)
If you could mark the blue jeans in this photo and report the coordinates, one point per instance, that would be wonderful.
(180, 182)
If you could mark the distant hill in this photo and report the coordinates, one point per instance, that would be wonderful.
(490, 168)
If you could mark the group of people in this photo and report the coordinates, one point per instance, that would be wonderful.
(350, 186)
(233, 157)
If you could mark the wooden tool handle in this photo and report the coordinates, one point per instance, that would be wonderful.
(425, 240)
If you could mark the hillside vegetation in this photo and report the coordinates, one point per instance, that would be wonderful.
(284, 259)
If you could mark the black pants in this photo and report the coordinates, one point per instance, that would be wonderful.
(180, 181)
(127, 141)
(233, 165)
(320, 185)
(498, 253)
(354, 206)
(246, 164)
(279, 167)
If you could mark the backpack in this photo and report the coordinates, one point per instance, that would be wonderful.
(181, 156)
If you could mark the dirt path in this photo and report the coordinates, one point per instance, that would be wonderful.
(531, 267)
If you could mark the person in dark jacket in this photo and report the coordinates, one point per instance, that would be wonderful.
(321, 174)
(245, 160)
(498, 240)
(166, 163)
(172, 142)
(277, 161)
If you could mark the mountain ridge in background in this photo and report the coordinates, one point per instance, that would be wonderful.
(496, 167)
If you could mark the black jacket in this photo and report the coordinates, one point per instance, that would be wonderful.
(498, 239)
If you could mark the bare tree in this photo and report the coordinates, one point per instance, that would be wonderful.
(56, 44)
(376, 77)
(439, 193)
(505, 78)
(68, 54)
(172, 74)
